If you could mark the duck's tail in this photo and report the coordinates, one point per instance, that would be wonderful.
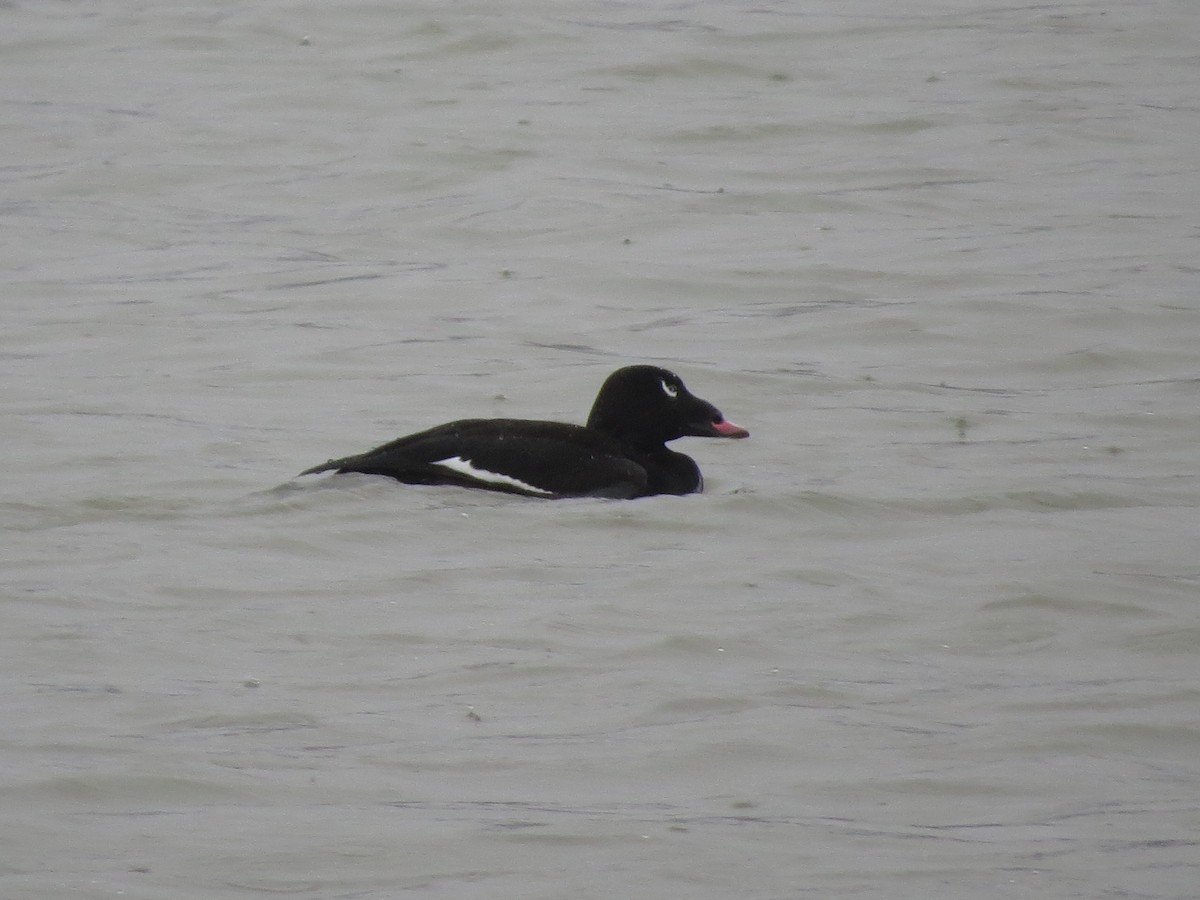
(324, 467)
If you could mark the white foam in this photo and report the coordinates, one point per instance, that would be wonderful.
(465, 467)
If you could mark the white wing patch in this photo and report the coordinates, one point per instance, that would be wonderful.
(465, 467)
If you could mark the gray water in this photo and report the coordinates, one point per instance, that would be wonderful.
(931, 632)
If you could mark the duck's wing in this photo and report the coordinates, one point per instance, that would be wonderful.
(540, 459)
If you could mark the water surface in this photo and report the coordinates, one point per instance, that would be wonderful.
(930, 633)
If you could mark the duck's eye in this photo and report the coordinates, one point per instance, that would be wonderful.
(669, 389)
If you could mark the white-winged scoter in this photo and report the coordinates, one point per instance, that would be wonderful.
(621, 453)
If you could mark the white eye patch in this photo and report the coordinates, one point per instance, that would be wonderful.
(669, 389)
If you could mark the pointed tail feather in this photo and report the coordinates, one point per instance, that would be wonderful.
(323, 467)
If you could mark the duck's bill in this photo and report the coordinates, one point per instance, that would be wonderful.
(725, 428)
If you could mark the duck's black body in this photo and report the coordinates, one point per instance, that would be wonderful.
(621, 453)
